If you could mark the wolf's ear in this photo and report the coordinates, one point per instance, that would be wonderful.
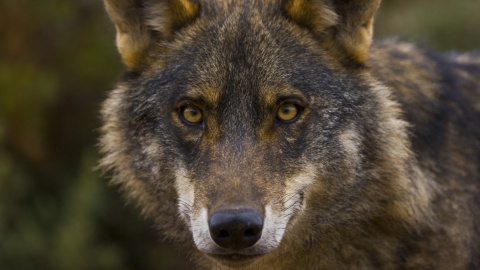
(344, 26)
(140, 24)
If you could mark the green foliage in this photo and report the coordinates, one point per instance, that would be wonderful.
(438, 24)
(57, 61)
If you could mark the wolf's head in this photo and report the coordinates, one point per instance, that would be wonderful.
(251, 128)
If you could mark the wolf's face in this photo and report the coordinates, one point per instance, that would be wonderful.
(246, 131)
(243, 129)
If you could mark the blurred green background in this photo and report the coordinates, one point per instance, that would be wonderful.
(57, 61)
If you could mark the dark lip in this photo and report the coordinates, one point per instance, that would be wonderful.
(235, 258)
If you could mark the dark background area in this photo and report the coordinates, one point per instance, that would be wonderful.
(57, 62)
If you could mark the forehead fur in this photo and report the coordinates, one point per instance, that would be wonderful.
(243, 51)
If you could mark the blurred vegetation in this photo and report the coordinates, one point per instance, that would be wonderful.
(438, 24)
(57, 61)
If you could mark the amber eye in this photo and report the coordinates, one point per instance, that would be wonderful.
(287, 112)
(191, 115)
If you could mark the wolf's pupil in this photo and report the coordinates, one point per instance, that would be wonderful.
(287, 112)
(192, 115)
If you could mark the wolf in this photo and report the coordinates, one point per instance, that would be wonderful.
(275, 134)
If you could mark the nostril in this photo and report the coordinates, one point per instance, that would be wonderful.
(236, 228)
(249, 232)
(223, 234)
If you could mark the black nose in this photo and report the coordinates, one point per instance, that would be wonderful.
(236, 228)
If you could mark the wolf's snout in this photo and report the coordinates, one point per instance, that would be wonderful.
(236, 228)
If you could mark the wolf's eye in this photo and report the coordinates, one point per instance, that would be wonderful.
(287, 112)
(191, 115)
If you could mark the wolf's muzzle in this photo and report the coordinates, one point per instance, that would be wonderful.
(236, 228)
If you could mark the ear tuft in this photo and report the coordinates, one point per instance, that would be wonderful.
(344, 27)
(355, 30)
(140, 24)
(312, 14)
(166, 17)
(183, 11)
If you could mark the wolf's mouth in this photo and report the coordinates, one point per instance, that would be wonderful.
(235, 260)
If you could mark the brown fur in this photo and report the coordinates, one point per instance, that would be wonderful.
(378, 171)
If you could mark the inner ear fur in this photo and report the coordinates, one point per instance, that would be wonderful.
(345, 27)
(140, 24)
